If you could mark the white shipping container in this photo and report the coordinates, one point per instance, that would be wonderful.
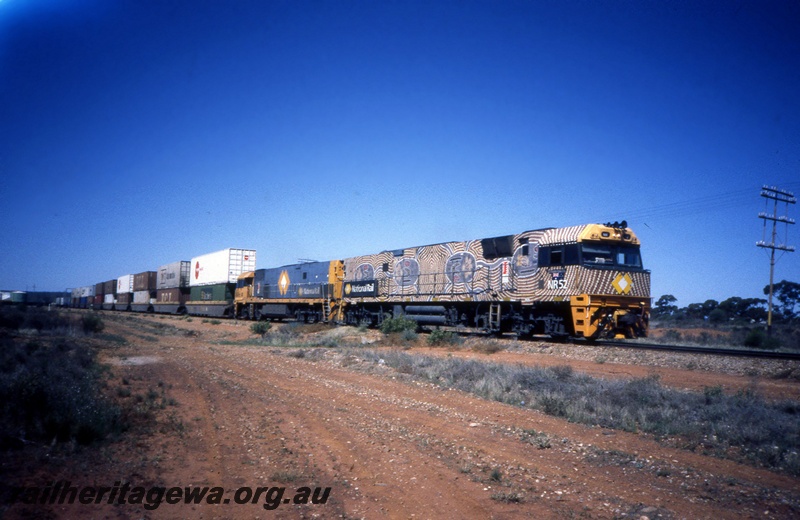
(108, 298)
(87, 292)
(125, 283)
(142, 297)
(174, 275)
(222, 266)
(76, 293)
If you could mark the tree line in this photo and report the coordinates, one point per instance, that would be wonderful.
(785, 302)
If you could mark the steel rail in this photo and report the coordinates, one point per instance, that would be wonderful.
(764, 354)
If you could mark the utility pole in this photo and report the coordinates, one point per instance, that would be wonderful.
(777, 196)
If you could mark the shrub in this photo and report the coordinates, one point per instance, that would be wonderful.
(409, 335)
(757, 339)
(443, 337)
(49, 392)
(260, 327)
(92, 323)
(399, 324)
(744, 424)
(488, 346)
(11, 317)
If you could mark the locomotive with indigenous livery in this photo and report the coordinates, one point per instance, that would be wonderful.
(581, 281)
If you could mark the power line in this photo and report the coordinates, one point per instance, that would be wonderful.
(706, 204)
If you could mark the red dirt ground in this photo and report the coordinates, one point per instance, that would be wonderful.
(235, 415)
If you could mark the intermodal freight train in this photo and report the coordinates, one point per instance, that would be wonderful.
(581, 281)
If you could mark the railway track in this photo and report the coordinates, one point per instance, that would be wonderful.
(765, 354)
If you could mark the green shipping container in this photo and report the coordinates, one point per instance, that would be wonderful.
(212, 293)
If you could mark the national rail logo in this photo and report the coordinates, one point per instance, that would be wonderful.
(283, 283)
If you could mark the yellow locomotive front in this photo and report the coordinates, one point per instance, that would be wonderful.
(597, 270)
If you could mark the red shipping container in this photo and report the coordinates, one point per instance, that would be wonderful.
(145, 281)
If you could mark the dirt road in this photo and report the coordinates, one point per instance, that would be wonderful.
(228, 415)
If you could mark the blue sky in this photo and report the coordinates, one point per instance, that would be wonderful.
(134, 134)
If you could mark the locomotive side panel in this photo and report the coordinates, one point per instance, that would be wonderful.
(307, 280)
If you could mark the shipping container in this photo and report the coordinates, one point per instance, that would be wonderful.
(144, 296)
(110, 287)
(82, 302)
(87, 291)
(145, 281)
(171, 301)
(174, 275)
(174, 295)
(100, 289)
(18, 297)
(125, 284)
(214, 293)
(123, 301)
(98, 301)
(109, 300)
(124, 297)
(211, 300)
(143, 301)
(221, 267)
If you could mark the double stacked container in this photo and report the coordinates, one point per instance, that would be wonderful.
(172, 287)
(124, 292)
(144, 291)
(109, 294)
(86, 297)
(99, 292)
(212, 280)
(75, 297)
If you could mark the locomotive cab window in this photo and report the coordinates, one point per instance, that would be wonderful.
(568, 254)
(606, 255)
(629, 257)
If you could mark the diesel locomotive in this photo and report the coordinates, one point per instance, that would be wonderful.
(582, 281)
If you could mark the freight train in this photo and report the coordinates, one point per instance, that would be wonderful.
(581, 281)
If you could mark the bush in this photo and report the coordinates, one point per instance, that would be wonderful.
(92, 323)
(399, 324)
(743, 424)
(260, 327)
(488, 346)
(443, 337)
(11, 317)
(756, 338)
(49, 392)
